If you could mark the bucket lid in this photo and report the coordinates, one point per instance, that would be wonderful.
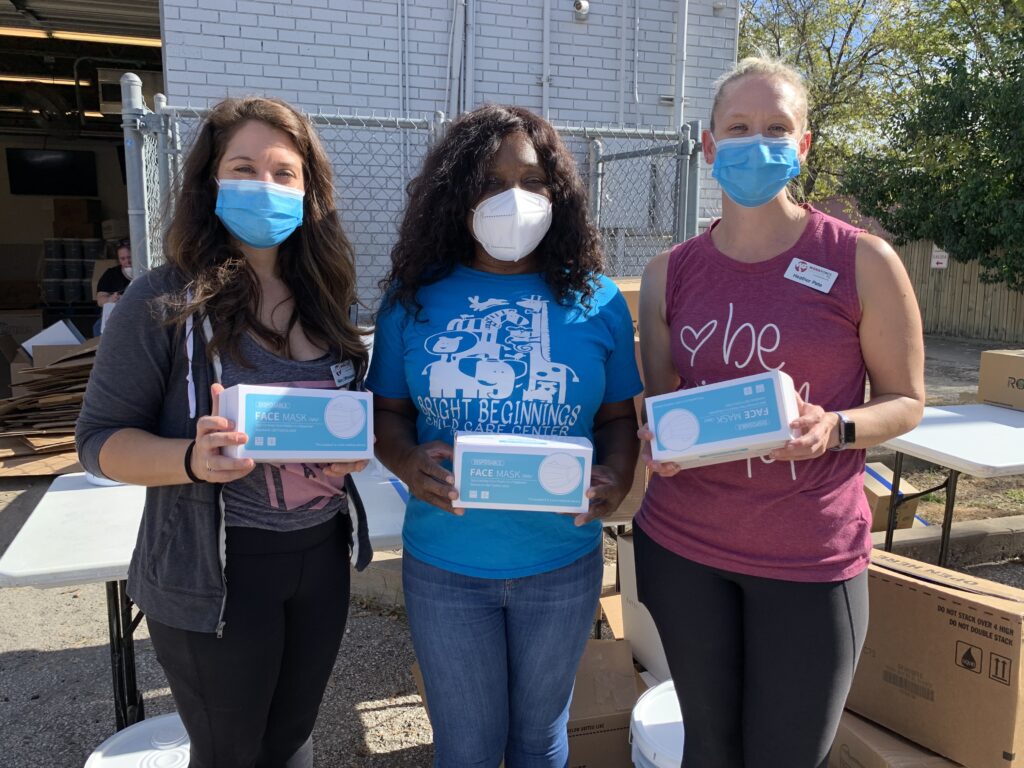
(656, 726)
(160, 742)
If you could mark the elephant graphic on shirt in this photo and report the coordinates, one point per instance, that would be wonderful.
(472, 377)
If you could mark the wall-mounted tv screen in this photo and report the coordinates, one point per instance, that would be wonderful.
(51, 172)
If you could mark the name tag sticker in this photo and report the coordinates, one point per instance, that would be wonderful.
(343, 373)
(811, 275)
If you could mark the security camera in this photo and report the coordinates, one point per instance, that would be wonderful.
(582, 9)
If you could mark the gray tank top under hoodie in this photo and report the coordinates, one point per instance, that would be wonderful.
(281, 497)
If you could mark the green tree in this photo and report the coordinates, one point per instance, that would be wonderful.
(950, 166)
(858, 57)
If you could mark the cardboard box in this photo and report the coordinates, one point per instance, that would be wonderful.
(21, 325)
(114, 229)
(862, 744)
(75, 229)
(725, 421)
(878, 490)
(941, 662)
(522, 472)
(77, 209)
(292, 424)
(1001, 378)
(637, 625)
(603, 698)
(630, 289)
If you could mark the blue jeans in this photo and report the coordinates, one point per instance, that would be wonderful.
(499, 658)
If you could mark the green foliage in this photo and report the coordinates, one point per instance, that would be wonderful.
(859, 58)
(949, 166)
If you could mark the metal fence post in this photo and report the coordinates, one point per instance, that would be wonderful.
(163, 151)
(595, 155)
(133, 109)
(693, 180)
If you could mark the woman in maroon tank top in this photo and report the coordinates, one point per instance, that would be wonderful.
(754, 570)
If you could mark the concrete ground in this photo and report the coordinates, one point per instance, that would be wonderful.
(55, 687)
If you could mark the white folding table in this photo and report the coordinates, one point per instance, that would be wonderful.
(976, 439)
(81, 533)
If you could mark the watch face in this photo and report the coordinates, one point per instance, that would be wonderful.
(849, 432)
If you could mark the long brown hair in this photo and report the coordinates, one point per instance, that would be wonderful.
(315, 262)
(433, 237)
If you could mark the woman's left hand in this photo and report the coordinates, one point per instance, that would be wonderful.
(342, 468)
(815, 426)
(606, 493)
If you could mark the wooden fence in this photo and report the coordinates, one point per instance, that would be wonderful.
(954, 301)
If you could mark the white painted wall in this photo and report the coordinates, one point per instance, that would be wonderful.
(346, 56)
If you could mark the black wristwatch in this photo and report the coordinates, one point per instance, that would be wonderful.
(847, 432)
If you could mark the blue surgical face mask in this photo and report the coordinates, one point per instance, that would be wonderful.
(259, 213)
(753, 169)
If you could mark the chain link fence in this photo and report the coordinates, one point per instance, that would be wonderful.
(644, 184)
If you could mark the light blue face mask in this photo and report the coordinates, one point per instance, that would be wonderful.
(753, 169)
(259, 213)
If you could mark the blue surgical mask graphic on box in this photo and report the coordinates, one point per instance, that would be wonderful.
(525, 473)
(724, 421)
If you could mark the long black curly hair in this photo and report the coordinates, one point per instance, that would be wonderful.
(433, 237)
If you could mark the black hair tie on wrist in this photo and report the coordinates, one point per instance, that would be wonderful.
(188, 464)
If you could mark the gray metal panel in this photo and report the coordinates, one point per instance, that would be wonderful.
(140, 18)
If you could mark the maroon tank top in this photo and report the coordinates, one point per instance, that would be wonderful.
(796, 521)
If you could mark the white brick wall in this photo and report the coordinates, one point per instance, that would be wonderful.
(343, 56)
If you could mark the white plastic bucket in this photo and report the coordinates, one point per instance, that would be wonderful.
(160, 742)
(656, 729)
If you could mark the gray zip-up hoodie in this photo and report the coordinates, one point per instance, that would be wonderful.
(143, 378)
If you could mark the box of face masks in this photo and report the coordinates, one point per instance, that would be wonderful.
(287, 424)
(722, 422)
(540, 474)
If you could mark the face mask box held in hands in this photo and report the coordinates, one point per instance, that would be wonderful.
(533, 473)
(721, 422)
(288, 424)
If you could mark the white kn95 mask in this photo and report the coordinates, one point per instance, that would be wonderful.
(510, 225)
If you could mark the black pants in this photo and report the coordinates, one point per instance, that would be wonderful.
(250, 698)
(761, 667)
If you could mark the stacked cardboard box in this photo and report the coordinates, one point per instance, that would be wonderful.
(941, 662)
(1001, 378)
(878, 490)
(77, 217)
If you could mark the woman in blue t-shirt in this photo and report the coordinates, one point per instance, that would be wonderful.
(496, 319)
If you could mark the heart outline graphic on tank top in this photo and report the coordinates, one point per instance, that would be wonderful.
(700, 337)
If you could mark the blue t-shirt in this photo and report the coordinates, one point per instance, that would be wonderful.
(498, 353)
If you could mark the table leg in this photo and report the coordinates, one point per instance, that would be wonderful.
(128, 708)
(894, 495)
(947, 520)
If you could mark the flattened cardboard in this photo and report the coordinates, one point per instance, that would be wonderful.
(941, 662)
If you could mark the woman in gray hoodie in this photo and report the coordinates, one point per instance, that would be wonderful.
(256, 290)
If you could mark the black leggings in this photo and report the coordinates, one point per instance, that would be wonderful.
(761, 667)
(249, 699)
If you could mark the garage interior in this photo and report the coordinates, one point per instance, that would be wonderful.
(63, 202)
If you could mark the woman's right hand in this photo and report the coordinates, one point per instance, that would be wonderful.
(663, 468)
(213, 433)
(427, 479)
